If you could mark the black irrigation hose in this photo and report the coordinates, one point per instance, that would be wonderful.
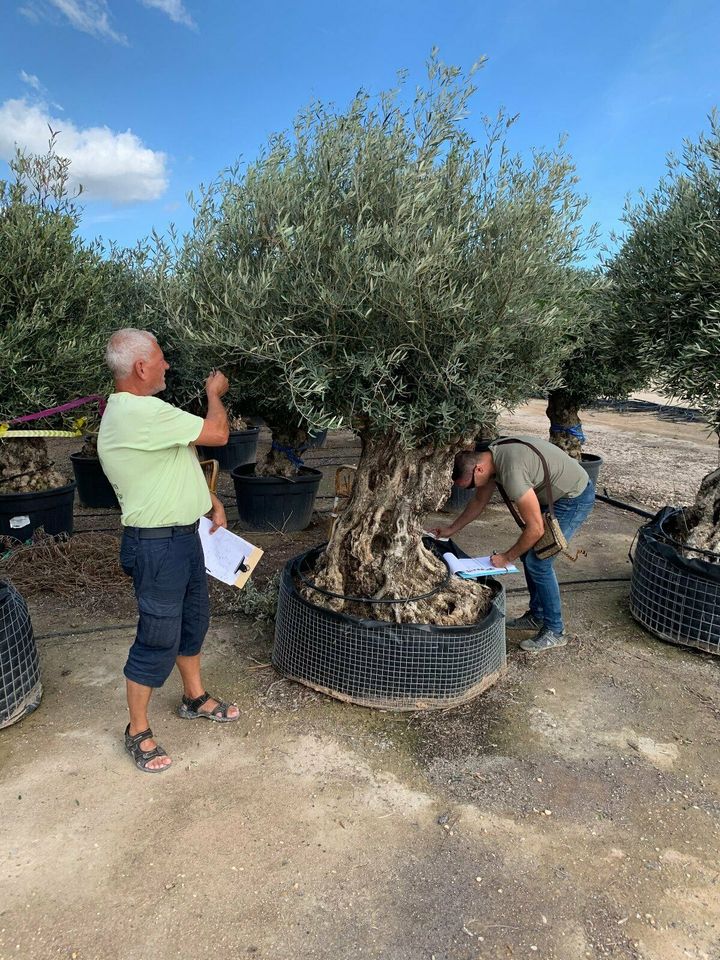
(128, 626)
(574, 583)
(72, 633)
(623, 506)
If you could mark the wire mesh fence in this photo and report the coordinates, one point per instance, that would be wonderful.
(675, 597)
(382, 664)
(20, 687)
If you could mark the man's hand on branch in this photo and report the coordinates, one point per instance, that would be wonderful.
(216, 384)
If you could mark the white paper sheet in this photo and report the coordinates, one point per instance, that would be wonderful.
(224, 552)
(471, 567)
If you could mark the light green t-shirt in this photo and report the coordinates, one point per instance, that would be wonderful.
(518, 468)
(143, 445)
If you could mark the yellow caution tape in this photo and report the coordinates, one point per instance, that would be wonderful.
(4, 427)
(41, 433)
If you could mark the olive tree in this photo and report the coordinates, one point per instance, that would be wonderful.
(376, 267)
(603, 361)
(57, 300)
(666, 289)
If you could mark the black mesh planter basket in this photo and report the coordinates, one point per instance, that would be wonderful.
(20, 687)
(380, 664)
(675, 595)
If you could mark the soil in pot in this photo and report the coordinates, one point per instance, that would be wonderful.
(275, 503)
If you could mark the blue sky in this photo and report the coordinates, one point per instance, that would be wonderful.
(153, 97)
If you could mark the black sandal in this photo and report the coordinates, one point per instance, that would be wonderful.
(143, 757)
(190, 709)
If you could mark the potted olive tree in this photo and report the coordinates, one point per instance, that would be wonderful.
(56, 304)
(666, 282)
(390, 274)
(603, 363)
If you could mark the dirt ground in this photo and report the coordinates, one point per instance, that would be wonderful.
(572, 811)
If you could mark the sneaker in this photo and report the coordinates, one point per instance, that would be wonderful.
(526, 622)
(544, 641)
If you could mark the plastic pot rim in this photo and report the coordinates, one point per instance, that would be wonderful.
(309, 476)
(40, 493)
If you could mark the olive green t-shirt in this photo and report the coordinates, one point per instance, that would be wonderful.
(518, 468)
(143, 445)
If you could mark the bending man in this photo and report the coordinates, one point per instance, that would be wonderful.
(520, 471)
(146, 449)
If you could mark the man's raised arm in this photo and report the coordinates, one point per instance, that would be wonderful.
(216, 430)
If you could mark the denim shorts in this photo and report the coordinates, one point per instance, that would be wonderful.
(172, 595)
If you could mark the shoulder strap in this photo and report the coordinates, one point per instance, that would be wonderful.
(546, 472)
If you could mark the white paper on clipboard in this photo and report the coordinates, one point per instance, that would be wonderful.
(228, 557)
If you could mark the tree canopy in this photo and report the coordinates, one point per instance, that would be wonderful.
(665, 277)
(58, 296)
(376, 267)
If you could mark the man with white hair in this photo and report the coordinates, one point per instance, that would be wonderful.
(146, 448)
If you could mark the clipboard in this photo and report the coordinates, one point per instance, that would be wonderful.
(228, 557)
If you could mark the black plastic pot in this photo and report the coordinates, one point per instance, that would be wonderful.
(274, 503)
(675, 595)
(22, 513)
(240, 449)
(20, 686)
(93, 487)
(591, 462)
(382, 664)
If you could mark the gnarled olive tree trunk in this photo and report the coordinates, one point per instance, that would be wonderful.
(376, 548)
(288, 444)
(703, 517)
(25, 466)
(563, 412)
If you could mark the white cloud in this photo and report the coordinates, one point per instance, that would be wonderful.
(174, 9)
(110, 166)
(31, 80)
(88, 16)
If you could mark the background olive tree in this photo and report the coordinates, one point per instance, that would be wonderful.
(58, 300)
(375, 267)
(603, 361)
(665, 282)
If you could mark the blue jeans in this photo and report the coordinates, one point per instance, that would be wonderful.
(172, 595)
(571, 513)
